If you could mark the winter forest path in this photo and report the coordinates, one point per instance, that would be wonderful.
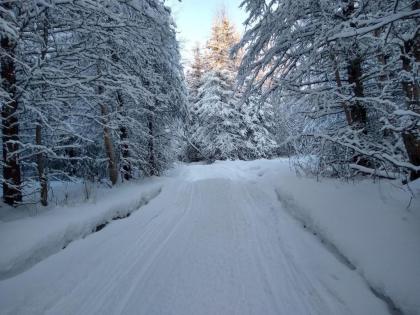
(215, 241)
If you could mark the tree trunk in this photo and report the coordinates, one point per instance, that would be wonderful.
(411, 52)
(358, 113)
(382, 59)
(109, 148)
(125, 152)
(41, 167)
(344, 104)
(10, 124)
(412, 145)
(40, 157)
(151, 148)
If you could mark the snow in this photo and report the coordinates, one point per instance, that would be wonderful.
(369, 224)
(225, 238)
(61, 193)
(26, 241)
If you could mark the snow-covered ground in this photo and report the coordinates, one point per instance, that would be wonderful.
(226, 238)
(40, 233)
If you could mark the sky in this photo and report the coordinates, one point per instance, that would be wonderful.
(194, 20)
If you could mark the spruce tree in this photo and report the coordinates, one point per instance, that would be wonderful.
(223, 38)
(217, 131)
(194, 81)
(257, 126)
(195, 74)
(223, 125)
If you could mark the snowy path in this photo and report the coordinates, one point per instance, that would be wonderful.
(215, 241)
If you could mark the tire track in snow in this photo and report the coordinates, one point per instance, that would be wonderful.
(288, 266)
(117, 272)
(210, 244)
(156, 253)
(126, 264)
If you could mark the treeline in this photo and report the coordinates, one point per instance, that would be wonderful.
(89, 89)
(346, 77)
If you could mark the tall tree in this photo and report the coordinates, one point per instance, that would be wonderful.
(84, 81)
(217, 131)
(341, 69)
(194, 80)
(223, 38)
(195, 73)
(222, 125)
(10, 122)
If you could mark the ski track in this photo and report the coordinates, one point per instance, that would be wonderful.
(215, 241)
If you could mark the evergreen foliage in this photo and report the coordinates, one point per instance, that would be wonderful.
(222, 125)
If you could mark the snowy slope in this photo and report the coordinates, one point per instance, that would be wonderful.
(216, 240)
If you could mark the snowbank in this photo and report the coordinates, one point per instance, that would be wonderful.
(26, 241)
(376, 226)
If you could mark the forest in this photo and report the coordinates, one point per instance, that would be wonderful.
(273, 167)
(94, 90)
(90, 89)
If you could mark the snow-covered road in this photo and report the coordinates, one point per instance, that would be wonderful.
(215, 241)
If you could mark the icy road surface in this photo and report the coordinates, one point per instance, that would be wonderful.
(215, 241)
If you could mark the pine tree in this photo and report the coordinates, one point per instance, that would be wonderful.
(214, 116)
(223, 38)
(10, 120)
(223, 126)
(195, 74)
(217, 132)
(194, 81)
(256, 129)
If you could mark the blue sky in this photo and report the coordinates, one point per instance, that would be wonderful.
(194, 19)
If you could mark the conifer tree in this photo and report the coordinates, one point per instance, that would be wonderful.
(257, 128)
(223, 125)
(217, 132)
(195, 73)
(223, 38)
(194, 80)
